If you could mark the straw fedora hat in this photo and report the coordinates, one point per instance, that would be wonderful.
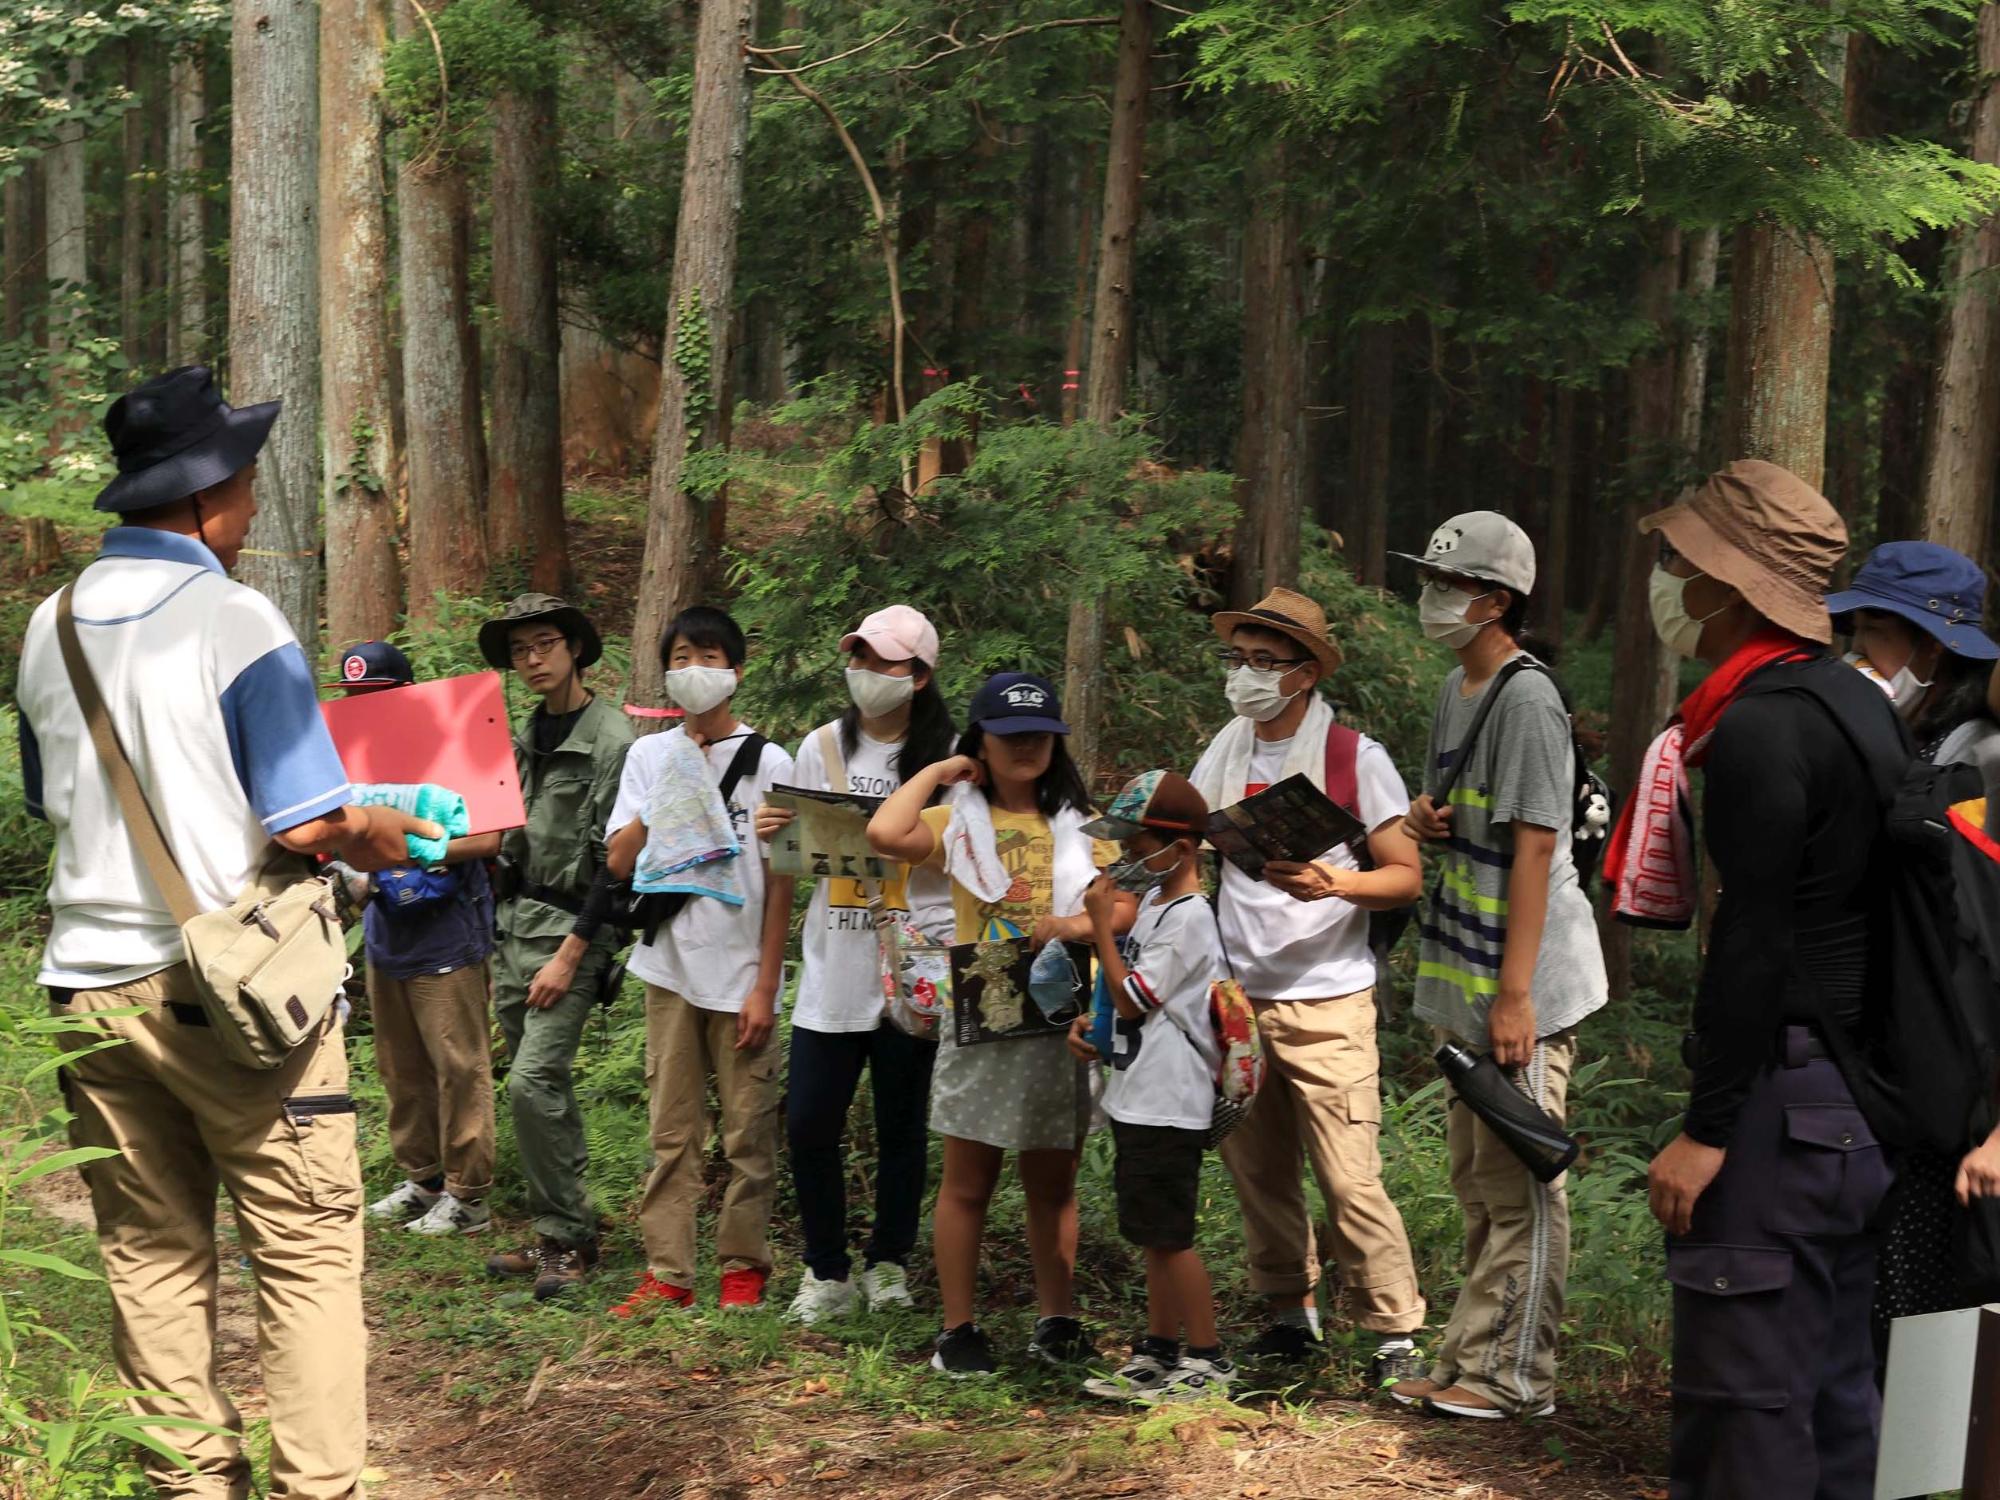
(1288, 613)
(1767, 534)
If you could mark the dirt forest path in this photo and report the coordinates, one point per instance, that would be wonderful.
(591, 1426)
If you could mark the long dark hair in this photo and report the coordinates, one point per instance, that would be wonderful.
(928, 739)
(1060, 786)
(1960, 697)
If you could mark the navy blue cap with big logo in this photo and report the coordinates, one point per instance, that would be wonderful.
(1017, 703)
(373, 664)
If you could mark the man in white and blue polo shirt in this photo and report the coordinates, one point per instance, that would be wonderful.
(214, 705)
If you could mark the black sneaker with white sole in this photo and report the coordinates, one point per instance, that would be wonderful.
(963, 1353)
(1285, 1344)
(1061, 1341)
(1395, 1361)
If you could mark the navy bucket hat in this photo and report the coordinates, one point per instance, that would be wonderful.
(174, 435)
(1940, 591)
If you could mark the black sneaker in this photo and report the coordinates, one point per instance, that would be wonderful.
(1061, 1341)
(1397, 1360)
(1285, 1344)
(963, 1353)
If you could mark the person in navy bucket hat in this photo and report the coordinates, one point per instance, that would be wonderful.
(174, 436)
(1912, 616)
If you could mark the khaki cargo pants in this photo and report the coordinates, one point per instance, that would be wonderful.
(434, 1049)
(685, 1047)
(1321, 1100)
(281, 1142)
(1501, 1341)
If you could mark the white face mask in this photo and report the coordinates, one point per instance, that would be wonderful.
(1254, 694)
(1905, 688)
(1677, 629)
(1443, 617)
(698, 689)
(877, 693)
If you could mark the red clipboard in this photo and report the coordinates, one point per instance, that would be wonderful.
(452, 731)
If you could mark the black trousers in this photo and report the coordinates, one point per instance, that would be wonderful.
(1774, 1394)
(825, 1071)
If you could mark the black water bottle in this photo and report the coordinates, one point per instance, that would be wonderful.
(1528, 1130)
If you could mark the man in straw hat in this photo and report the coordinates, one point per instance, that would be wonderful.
(1768, 1192)
(1298, 942)
(212, 703)
(554, 946)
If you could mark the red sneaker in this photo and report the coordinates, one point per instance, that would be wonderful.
(651, 1290)
(744, 1288)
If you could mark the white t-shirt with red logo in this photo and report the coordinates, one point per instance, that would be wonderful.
(1286, 949)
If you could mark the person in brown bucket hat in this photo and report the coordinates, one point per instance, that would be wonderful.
(1768, 1190)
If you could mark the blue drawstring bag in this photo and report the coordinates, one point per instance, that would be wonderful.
(1103, 1018)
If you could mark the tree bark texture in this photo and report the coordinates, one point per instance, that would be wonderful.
(1703, 251)
(1124, 182)
(20, 250)
(1371, 452)
(447, 552)
(700, 308)
(364, 583)
(187, 290)
(1643, 671)
(133, 260)
(524, 506)
(1551, 605)
(1963, 441)
(274, 291)
(1269, 471)
(1780, 346)
(66, 251)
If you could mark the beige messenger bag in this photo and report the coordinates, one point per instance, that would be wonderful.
(268, 968)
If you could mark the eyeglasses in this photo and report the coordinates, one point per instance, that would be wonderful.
(541, 645)
(1443, 586)
(1668, 556)
(1257, 661)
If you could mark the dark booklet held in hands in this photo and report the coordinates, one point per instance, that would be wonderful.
(1291, 820)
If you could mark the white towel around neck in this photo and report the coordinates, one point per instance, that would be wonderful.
(972, 856)
(1224, 770)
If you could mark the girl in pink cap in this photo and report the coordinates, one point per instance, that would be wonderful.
(895, 723)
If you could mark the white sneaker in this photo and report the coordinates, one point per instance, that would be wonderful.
(410, 1201)
(451, 1215)
(885, 1284)
(1193, 1380)
(819, 1300)
(1142, 1374)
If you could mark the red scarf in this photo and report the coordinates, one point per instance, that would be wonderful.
(1649, 863)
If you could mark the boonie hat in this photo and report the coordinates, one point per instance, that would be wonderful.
(1017, 703)
(1936, 589)
(373, 664)
(897, 633)
(1481, 544)
(1289, 614)
(528, 609)
(1164, 801)
(1767, 534)
(174, 434)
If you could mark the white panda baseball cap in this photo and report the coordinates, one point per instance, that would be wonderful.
(1480, 544)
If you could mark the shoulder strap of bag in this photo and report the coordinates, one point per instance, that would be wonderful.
(1343, 778)
(1506, 674)
(139, 819)
(742, 763)
(830, 756)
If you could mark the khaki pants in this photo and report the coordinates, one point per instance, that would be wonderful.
(685, 1047)
(1501, 1341)
(282, 1143)
(434, 1048)
(1322, 1099)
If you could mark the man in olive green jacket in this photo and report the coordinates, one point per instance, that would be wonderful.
(554, 946)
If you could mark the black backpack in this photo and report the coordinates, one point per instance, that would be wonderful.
(645, 913)
(1922, 1066)
(1592, 803)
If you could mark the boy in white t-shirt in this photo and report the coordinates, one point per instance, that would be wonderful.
(1161, 1093)
(712, 972)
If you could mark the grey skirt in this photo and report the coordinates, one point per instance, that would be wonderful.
(1029, 1095)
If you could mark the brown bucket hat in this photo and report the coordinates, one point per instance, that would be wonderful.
(1290, 614)
(1767, 534)
(528, 608)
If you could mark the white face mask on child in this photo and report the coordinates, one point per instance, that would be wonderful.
(698, 689)
(877, 693)
(1255, 694)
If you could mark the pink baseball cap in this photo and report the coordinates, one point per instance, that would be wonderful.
(897, 633)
